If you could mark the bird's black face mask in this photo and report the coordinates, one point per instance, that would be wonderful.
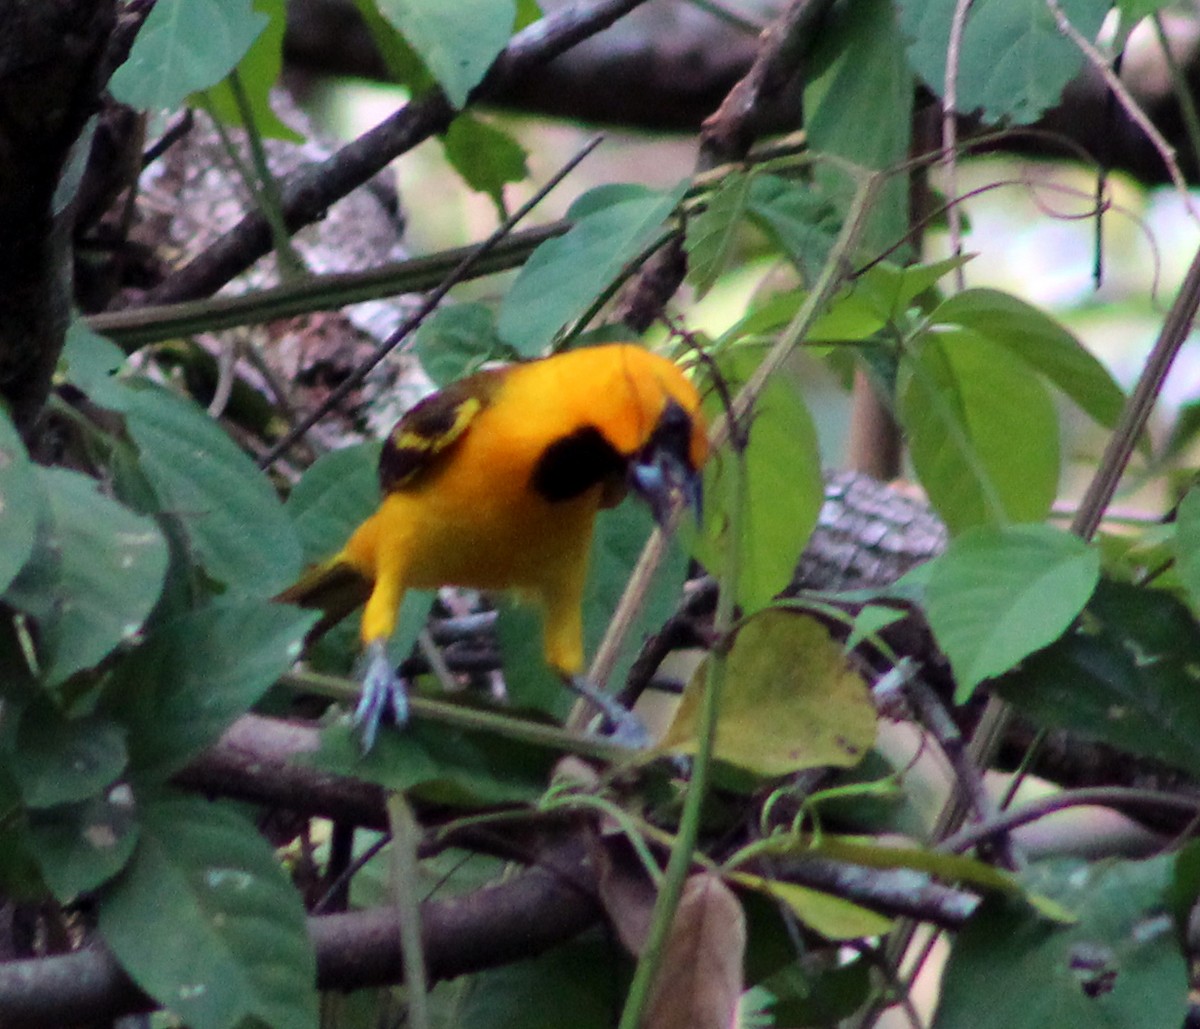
(662, 468)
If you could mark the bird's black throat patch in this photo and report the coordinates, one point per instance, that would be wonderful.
(574, 464)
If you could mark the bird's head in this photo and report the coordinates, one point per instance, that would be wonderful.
(669, 463)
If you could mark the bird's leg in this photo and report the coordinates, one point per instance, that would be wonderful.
(624, 727)
(384, 694)
(562, 635)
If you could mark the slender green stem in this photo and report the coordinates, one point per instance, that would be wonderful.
(291, 264)
(139, 326)
(828, 282)
(519, 730)
(575, 801)
(682, 853)
(136, 327)
(403, 887)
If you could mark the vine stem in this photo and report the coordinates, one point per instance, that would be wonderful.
(403, 880)
(832, 275)
(1113, 463)
(680, 862)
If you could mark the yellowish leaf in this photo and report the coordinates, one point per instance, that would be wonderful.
(790, 701)
(832, 917)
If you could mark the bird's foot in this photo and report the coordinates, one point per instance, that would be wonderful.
(622, 725)
(384, 695)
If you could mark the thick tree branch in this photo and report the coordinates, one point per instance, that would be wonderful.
(51, 72)
(518, 918)
(675, 70)
(255, 761)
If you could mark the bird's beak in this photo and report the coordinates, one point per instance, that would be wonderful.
(659, 476)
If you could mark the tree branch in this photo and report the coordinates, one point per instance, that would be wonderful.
(52, 66)
(308, 192)
(518, 918)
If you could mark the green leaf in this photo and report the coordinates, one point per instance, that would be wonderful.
(258, 71)
(335, 495)
(832, 917)
(403, 63)
(457, 41)
(19, 502)
(207, 923)
(95, 577)
(784, 489)
(80, 847)
(440, 764)
(847, 318)
(184, 46)
(889, 290)
(456, 340)
(565, 275)
(801, 221)
(861, 110)
(20, 877)
(1126, 675)
(573, 985)
(194, 675)
(1119, 966)
(60, 760)
(1185, 881)
(1186, 543)
(712, 234)
(620, 537)
(950, 867)
(1039, 341)
(485, 156)
(1135, 10)
(1013, 62)
(871, 620)
(982, 430)
(531, 683)
(791, 701)
(231, 516)
(89, 362)
(998, 594)
(826, 998)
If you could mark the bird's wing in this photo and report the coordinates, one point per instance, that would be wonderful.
(428, 432)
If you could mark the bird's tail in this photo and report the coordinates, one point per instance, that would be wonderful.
(333, 587)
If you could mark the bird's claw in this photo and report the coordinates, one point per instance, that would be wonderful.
(624, 727)
(384, 695)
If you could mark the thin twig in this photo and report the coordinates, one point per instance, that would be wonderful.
(1118, 797)
(826, 285)
(950, 132)
(431, 301)
(1131, 107)
(310, 190)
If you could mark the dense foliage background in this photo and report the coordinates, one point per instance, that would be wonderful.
(207, 312)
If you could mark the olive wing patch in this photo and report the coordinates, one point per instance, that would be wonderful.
(428, 430)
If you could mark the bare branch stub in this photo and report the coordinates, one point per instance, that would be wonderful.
(726, 136)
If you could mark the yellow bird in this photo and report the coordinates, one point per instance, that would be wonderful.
(494, 483)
